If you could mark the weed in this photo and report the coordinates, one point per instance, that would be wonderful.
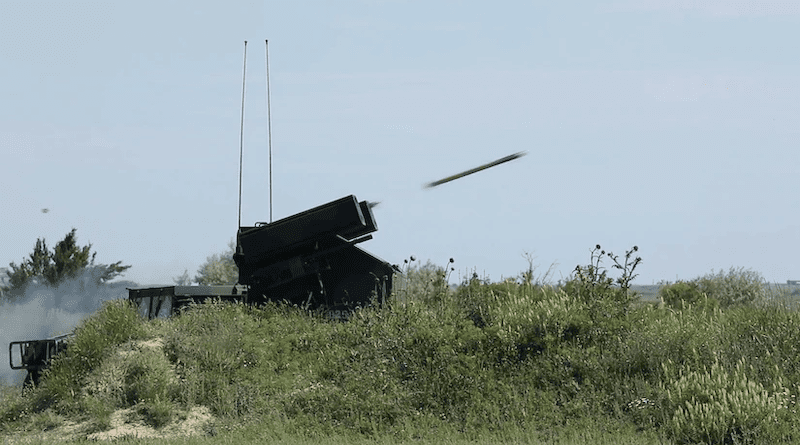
(156, 412)
(45, 421)
(592, 285)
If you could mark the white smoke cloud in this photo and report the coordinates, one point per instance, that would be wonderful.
(45, 312)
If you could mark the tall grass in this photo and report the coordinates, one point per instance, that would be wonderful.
(517, 360)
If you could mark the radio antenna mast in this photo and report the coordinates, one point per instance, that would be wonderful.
(269, 126)
(241, 133)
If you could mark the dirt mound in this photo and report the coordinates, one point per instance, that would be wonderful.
(125, 423)
(140, 380)
(140, 367)
(128, 423)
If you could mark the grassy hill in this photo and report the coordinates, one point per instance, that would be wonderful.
(495, 362)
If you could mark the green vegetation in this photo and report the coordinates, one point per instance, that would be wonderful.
(66, 261)
(219, 268)
(739, 287)
(516, 361)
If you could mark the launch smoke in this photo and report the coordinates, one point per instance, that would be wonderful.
(44, 311)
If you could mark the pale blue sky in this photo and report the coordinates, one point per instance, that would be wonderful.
(671, 125)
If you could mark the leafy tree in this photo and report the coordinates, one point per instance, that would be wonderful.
(219, 268)
(184, 279)
(66, 261)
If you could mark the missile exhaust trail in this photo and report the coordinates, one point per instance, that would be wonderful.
(476, 169)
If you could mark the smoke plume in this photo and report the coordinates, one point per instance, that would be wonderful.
(44, 312)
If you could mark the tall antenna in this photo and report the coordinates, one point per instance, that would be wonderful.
(241, 133)
(269, 126)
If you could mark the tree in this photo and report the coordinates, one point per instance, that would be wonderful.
(66, 261)
(219, 268)
(184, 279)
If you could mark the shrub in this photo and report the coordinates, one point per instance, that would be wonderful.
(737, 287)
(606, 297)
(95, 338)
(768, 337)
(717, 406)
(426, 282)
(412, 363)
(98, 411)
(45, 421)
(482, 301)
(211, 347)
(149, 378)
(137, 374)
(531, 323)
(156, 412)
(13, 407)
(658, 336)
(683, 294)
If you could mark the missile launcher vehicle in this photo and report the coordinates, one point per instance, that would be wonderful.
(309, 260)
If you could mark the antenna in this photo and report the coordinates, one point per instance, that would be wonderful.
(241, 133)
(269, 126)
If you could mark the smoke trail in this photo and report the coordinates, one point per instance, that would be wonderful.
(44, 311)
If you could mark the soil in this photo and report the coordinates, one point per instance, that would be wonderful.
(126, 423)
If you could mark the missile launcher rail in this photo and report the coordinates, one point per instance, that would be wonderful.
(311, 259)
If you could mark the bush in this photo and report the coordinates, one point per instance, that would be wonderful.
(737, 287)
(45, 421)
(98, 412)
(156, 412)
(211, 346)
(717, 406)
(136, 372)
(684, 294)
(391, 368)
(607, 298)
(95, 338)
(545, 320)
(149, 379)
(482, 301)
(13, 407)
(425, 283)
(768, 337)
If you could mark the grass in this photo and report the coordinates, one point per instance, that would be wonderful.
(518, 361)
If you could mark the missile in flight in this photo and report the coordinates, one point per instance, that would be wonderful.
(476, 169)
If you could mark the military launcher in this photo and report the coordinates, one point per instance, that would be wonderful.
(309, 260)
(35, 355)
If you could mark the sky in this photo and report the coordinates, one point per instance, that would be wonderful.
(670, 125)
